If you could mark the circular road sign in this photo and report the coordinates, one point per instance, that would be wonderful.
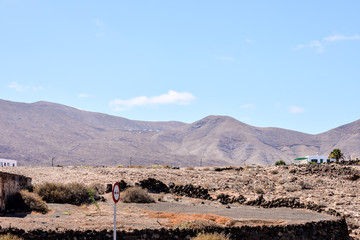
(116, 192)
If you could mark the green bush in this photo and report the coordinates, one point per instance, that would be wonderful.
(136, 195)
(33, 202)
(280, 162)
(73, 193)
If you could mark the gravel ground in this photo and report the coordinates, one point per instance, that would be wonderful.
(331, 189)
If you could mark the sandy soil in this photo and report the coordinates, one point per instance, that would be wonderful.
(332, 191)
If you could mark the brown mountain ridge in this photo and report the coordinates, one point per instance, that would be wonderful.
(34, 133)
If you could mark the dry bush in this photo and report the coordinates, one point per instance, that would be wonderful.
(190, 168)
(136, 166)
(293, 179)
(205, 169)
(210, 236)
(33, 202)
(291, 188)
(250, 187)
(9, 237)
(136, 195)
(275, 171)
(197, 225)
(293, 170)
(305, 185)
(259, 190)
(73, 193)
(98, 189)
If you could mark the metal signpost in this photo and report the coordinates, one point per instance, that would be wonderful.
(116, 197)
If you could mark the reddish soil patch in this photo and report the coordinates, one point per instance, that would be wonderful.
(177, 218)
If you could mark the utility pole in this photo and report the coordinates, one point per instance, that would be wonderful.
(52, 161)
(130, 161)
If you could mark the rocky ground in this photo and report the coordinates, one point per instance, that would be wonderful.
(330, 188)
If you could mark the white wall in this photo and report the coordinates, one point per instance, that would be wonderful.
(7, 163)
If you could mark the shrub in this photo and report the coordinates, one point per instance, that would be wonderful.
(189, 168)
(259, 190)
(293, 170)
(9, 237)
(291, 188)
(33, 202)
(305, 185)
(280, 162)
(210, 236)
(136, 195)
(274, 171)
(73, 193)
(197, 225)
(97, 189)
(293, 179)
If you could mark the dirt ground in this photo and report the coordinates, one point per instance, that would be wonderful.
(332, 190)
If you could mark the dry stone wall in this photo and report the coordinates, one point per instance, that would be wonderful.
(322, 230)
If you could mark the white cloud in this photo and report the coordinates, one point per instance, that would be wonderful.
(314, 44)
(171, 97)
(16, 86)
(341, 37)
(248, 40)
(83, 95)
(319, 45)
(247, 106)
(296, 110)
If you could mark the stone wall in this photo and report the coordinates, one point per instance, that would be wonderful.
(329, 230)
(10, 185)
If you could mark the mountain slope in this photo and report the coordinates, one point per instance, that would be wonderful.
(37, 132)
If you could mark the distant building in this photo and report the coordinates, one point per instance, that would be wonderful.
(314, 159)
(7, 162)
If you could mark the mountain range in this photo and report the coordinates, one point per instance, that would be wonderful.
(44, 133)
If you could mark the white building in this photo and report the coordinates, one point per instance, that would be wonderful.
(314, 159)
(7, 162)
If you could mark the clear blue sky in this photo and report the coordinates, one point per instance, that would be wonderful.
(288, 64)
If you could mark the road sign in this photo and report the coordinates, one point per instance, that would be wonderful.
(116, 192)
(116, 197)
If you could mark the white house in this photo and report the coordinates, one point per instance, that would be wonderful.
(7, 162)
(314, 159)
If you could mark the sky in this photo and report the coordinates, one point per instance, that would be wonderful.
(286, 64)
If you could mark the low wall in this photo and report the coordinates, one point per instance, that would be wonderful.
(10, 185)
(329, 230)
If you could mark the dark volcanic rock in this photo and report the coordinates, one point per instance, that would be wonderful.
(190, 190)
(153, 185)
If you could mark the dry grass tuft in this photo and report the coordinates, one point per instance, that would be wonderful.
(210, 236)
(33, 202)
(291, 188)
(9, 237)
(259, 190)
(136, 195)
(197, 224)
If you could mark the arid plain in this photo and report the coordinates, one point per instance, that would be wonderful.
(329, 187)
